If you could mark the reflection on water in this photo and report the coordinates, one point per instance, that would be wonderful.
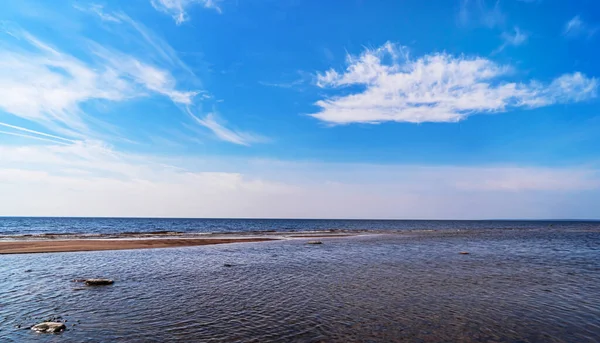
(515, 286)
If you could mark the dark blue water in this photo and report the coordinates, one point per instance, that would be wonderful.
(38, 225)
(534, 286)
(523, 281)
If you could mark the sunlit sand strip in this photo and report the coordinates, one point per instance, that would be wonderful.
(71, 245)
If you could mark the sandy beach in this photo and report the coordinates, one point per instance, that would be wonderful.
(71, 245)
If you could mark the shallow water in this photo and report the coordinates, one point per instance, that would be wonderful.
(514, 286)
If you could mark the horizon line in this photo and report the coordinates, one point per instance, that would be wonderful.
(332, 219)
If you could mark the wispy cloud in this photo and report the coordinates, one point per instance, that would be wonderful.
(151, 77)
(99, 11)
(42, 84)
(24, 135)
(178, 8)
(436, 88)
(46, 136)
(46, 85)
(159, 50)
(576, 27)
(480, 13)
(163, 82)
(290, 84)
(211, 122)
(515, 38)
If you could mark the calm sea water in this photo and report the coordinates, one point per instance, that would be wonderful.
(539, 282)
(28, 225)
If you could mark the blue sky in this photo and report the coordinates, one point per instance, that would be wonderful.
(321, 109)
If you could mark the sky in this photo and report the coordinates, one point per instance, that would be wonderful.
(458, 109)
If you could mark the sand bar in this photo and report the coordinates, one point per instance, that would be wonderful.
(70, 245)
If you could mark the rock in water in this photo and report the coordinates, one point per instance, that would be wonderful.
(98, 282)
(50, 327)
(314, 242)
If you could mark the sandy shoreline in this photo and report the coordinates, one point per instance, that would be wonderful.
(72, 245)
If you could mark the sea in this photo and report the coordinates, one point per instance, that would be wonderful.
(53, 225)
(395, 281)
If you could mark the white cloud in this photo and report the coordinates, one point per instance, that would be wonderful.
(211, 122)
(47, 85)
(576, 27)
(99, 11)
(157, 48)
(53, 138)
(573, 26)
(151, 77)
(515, 38)
(43, 84)
(177, 8)
(34, 137)
(40, 83)
(94, 180)
(435, 88)
(290, 84)
(480, 13)
(161, 81)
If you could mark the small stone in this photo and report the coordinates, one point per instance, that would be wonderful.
(314, 242)
(98, 282)
(464, 253)
(50, 327)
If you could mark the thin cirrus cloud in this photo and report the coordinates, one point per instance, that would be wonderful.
(162, 82)
(33, 134)
(480, 13)
(514, 38)
(153, 78)
(435, 88)
(576, 27)
(177, 9)
(48, 86)
(44, 84)
(212, 122)
(99, 11)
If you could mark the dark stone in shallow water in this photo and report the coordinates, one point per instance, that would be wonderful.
(50, 327)
(98, 282)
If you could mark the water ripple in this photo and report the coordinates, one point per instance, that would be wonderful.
(516, 287)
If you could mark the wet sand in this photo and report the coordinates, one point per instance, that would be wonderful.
(71, 245)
